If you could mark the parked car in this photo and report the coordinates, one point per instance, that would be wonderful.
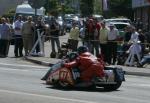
(98, 17)
(68, 24)
(124, 20)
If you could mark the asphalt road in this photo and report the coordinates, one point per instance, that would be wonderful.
(20, 83)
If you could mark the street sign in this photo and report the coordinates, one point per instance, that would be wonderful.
(36, 4)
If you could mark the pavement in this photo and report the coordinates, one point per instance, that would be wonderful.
(47, 61)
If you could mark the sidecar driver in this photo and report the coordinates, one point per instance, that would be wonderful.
(89, 65)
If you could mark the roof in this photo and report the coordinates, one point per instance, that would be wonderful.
(27, 9)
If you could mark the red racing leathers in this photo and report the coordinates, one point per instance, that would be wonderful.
(89, 66)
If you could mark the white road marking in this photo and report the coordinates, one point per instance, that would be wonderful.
(8, 69)
(140, 85)
(46, 96)
(18, 65)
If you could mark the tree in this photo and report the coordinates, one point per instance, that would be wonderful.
(10, 14)
(86, 7)
(51, 7)
(55, 7)
(98, 6)
(121, 8)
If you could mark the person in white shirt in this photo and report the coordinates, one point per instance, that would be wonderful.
(112, 43)
(18, 37)
(135, 48)
(134, 35)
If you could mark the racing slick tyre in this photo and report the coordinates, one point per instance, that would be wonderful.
(63, 84)
(112, 87)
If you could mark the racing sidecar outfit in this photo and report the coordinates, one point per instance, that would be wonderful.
(89, 66)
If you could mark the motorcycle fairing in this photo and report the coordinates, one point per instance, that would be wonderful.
(62, 75)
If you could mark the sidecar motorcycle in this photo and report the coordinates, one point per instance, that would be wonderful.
(65, 78)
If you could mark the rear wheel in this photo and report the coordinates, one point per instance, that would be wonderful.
(112, 87)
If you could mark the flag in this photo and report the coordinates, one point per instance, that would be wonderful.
(105, 5)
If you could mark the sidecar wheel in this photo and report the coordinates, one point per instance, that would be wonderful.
(112, 87)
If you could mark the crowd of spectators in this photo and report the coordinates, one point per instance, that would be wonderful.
(101, 39)
(22, 34)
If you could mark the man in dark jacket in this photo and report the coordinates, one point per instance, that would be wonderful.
(54, 32)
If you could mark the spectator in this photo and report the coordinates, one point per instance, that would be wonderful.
(135, 48)
(142, 40)
(54, 32)
(134, 35)
(103, 41)
(95, 43)
(128, 33)
(147, 37)
(127, 37)
(18, 37)
(5, 37)
(82, 32)
(27, 35)
(145, 60)
(112, 44)
(90, 29)
(139, 24)
(73, 37)
(11, 32)
(41, 27)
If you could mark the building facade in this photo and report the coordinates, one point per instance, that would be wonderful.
(142, 12)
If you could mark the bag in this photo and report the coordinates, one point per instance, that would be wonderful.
(53, 55)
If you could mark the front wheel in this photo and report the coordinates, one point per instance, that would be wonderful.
(112, 87)
(63, 84)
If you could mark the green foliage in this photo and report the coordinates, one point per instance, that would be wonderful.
(51, 7)
(10, 14)
(98, 7)
(121, 8)
(54, 7)
(86, 7)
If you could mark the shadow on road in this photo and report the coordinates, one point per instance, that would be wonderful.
(90, 89)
